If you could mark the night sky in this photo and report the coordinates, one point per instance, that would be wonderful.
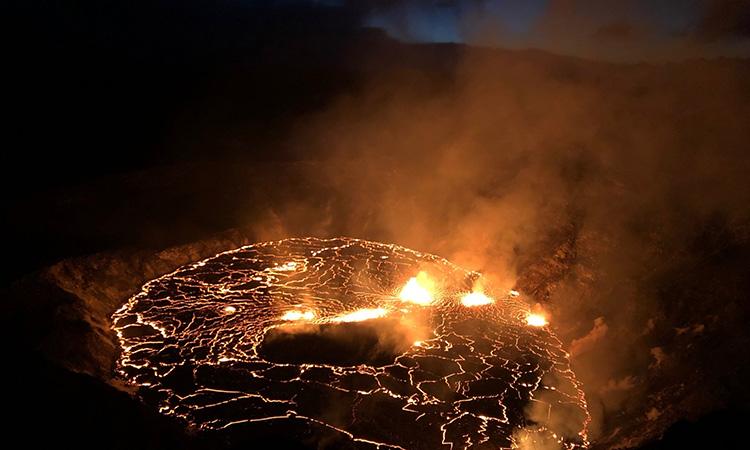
(633, 30)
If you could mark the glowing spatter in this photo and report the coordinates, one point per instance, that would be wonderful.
(536, 320)
(191, 340)
(476, 299)
(418, 290)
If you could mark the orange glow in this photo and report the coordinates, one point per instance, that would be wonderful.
(361, 315)
(298, 315)
(418, 290)
(262, 313)
(476, 299)
(536, 320)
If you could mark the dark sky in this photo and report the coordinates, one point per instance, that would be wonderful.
(630, 30)
(614, 30)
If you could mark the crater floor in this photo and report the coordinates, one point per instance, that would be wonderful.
(314, 330)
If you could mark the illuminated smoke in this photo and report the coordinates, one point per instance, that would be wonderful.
(535, 438)
(548, 175)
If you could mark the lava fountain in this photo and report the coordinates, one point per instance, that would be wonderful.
(386, 336)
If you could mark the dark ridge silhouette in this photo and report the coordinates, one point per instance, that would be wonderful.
(376, 342)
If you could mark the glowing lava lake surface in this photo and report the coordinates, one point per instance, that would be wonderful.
(314, 331)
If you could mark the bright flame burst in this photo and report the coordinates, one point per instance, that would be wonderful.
(361, 315)
(298, 315)
(418, 290)
(536, 320)
(476, 299)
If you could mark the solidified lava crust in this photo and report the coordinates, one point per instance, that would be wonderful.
(262, 334)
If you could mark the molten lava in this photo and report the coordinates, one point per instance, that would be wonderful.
(298, 315)
(476, 299)
(536, 320)
(440, 375)
(361, 315)
(418, 290)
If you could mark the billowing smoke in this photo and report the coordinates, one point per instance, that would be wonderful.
(588, 186)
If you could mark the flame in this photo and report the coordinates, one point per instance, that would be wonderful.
(361, 315)
(476, 299)
(298, 315)
(418, 290)
(536, 320)
(230, 309)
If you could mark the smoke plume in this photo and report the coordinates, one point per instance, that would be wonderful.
(583, 184)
